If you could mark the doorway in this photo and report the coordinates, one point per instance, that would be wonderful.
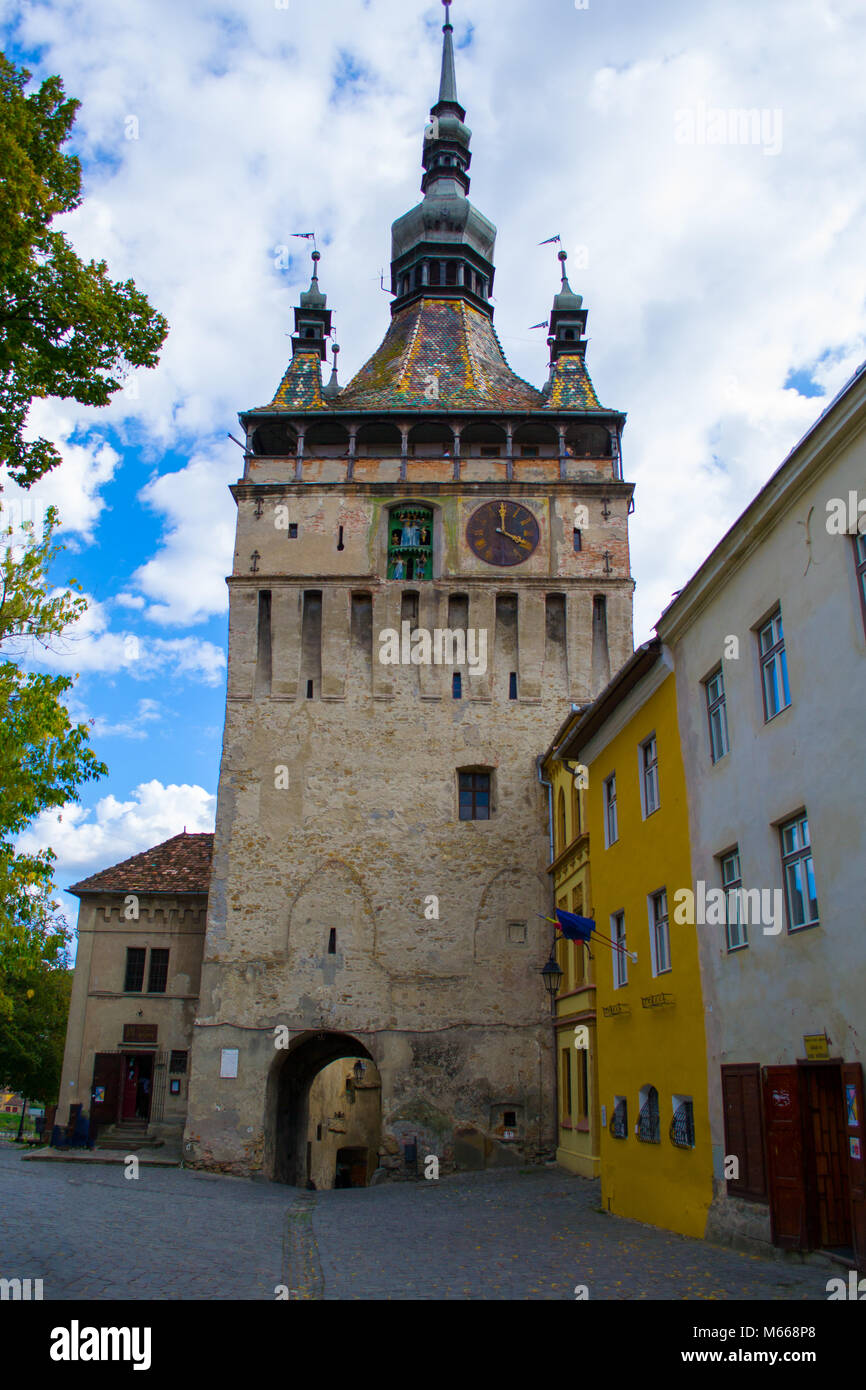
(826, 1153)
(323, 1095)
(137, 1085)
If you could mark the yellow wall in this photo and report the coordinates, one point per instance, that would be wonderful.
(577, 1123)
(662, 1046)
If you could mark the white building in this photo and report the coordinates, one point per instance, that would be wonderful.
(769, 641)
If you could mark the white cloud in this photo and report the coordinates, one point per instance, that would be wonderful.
(85, 841)
(130, 601)
(74, 486)
(186, 578)
(148, 712)
(713, 271)
(90, 645)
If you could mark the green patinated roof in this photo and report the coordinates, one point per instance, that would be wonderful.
(439, 354)
(570, 387)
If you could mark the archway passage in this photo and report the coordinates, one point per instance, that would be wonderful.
(323, 1096)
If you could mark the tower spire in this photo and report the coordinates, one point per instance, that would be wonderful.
(448, 80)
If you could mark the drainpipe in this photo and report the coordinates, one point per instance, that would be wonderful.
(549, 786)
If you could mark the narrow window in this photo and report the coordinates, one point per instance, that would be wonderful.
(682, 1130)
(457, 686)
(565, 1095)
(490, 451)
(650, 775)
(309, 690)
(611, 831)
(293, 530)
(661, 942)
(583, 1083)
(717, 715)
(774, 666)
(134, 969)
(732, 883)
(578, 541)
(648, 1126)
(620, 959)
(801, 898)
(619, 1119)
(860, 567)
(529, 451)
(318, 1131)
(340, 545)
(158, 972)
(474, 788)
(509, 1119)
(332, 941)
(512, 685)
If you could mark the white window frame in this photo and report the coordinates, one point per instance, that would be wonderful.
(717, 709)
(620, 959)
(610, 804)
(736, 939)
(661, 963)
(798, 858)
(773, 660)
(649, 776)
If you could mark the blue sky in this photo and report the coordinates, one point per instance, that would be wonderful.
(722, 265)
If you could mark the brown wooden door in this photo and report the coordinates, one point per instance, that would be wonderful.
(786, 1170)
(826, 1158)
(105, 1093)
(854, 1115)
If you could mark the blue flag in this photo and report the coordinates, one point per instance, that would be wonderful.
(574, 928)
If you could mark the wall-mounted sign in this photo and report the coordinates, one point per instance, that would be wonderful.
(229, 1062)
(854, 1146)
(817, 1047)
(853, 1120)
(657, 1001)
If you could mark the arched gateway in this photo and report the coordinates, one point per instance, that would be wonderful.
(338, 1120)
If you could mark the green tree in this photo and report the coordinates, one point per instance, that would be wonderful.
(66, 329)
(44, 759)
(32, 1037)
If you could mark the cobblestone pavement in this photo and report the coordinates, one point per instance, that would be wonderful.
(90, 1233)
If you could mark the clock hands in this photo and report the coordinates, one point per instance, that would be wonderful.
(518, 540)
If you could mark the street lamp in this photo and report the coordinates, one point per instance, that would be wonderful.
(359, 1070)
(552, 976)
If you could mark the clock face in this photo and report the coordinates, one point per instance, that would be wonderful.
(502, 533)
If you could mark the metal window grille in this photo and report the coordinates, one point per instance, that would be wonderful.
(682, 1130)
(619, 1119)
(648, 1127)
(178, 1063)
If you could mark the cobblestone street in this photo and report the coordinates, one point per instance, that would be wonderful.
(90, 1233)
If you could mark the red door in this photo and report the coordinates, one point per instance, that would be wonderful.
(855, 1131)
(130, 1087)
(786, 1170)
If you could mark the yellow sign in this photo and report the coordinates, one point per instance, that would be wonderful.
(817, 1047)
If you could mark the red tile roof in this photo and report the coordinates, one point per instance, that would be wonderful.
(178, 865)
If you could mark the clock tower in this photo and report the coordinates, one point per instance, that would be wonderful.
(431, 567)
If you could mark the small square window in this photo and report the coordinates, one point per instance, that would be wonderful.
(474, 792)
(293, 530)
(177, 1063)
(517, 933)
(509, 1119)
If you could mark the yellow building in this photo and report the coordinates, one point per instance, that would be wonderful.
(656, 1162)
(577, 1072)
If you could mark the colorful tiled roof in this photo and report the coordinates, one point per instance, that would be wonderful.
(301, 387)
(439, 354)
(178, 865)
(570, 387)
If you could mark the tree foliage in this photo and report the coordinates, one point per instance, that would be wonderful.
(44, 760)
(66, 328)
